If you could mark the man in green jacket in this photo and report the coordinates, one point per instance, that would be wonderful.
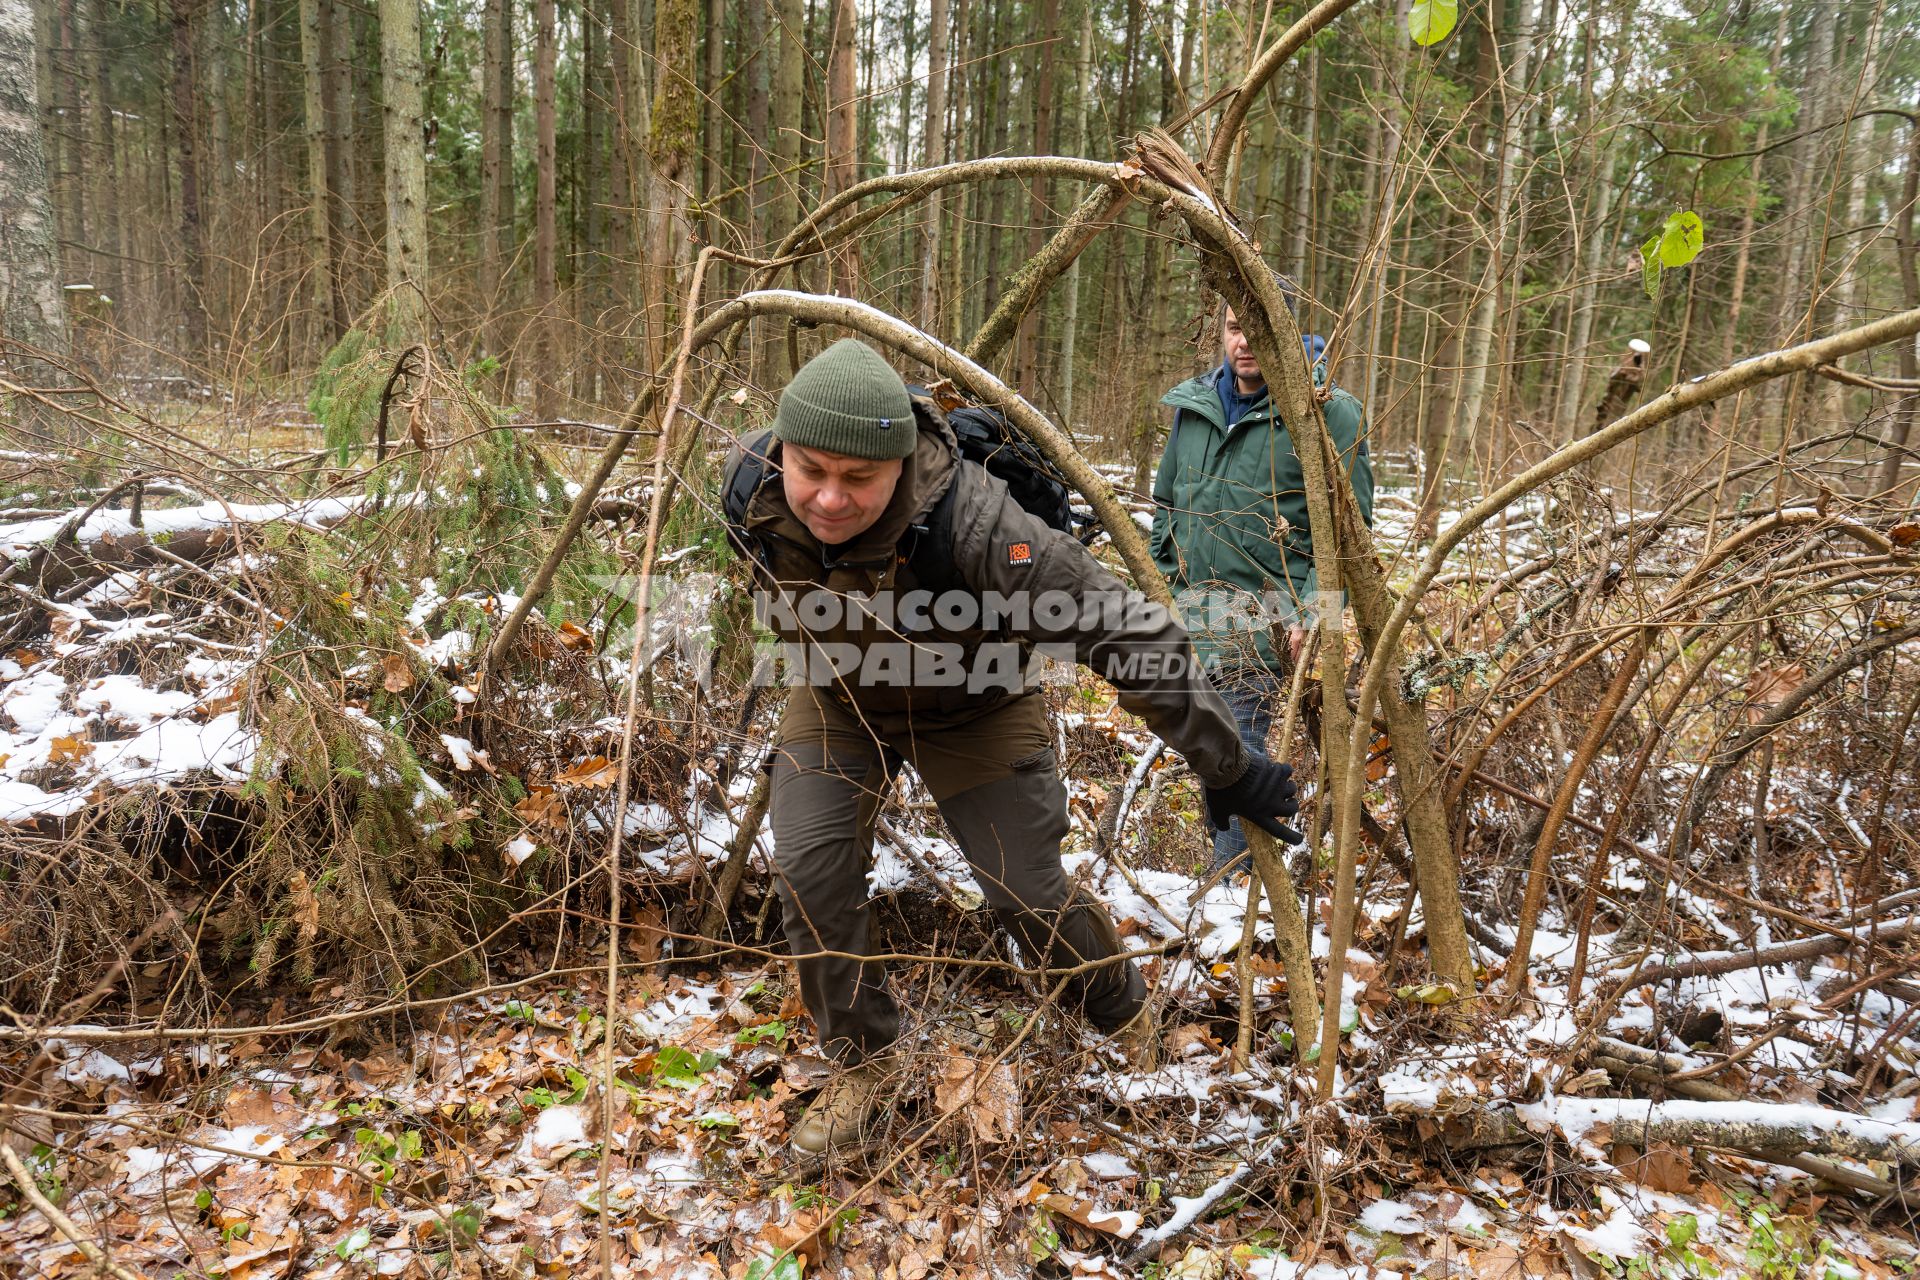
(910, 589)
(1230, 532)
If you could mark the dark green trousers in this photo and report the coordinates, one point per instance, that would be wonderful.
(998, 787)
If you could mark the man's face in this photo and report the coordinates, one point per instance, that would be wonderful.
(836, 496)
(1239, 354)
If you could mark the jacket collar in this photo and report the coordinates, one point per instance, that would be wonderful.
(1199, 397)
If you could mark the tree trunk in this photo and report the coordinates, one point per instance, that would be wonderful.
(789, 145)
(185, 129)
(343, 213)
(1070, 320)
(1865, 159)
(545, 217)
(1303, 267)
(1040, 212)
(103, 161)
(994, 109)
(406, 171)
(589, 267)
(672, 139)
(329, 305)
(1737, 301)
(72, 186)
(950, 281)
(907, 244)
(712, 177)
(496, 170)
(1479, 342)
(843, 103)
(30, 303)
(1906, 251)
(934, 143)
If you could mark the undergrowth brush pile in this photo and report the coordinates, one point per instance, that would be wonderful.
(249, 741)
(304, 896)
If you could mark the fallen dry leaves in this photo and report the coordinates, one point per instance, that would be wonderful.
(988, 1092)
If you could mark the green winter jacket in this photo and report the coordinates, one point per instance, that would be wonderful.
(1219, 498)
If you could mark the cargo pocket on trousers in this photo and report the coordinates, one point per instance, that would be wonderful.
(1041, 793)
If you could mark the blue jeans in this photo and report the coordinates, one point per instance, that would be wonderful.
(1252, 694)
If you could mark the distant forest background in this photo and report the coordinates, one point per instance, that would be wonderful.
(1465, 219)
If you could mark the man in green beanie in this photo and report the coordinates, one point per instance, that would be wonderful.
(911, 591)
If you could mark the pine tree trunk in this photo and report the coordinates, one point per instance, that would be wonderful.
(788, 81)
(406, 170)
(907, 297)
(103, 162)
(951, 293)
(1070, 319)
(712, 176)
(192, 233)
(545, 217)
(72, 185)
(329, 306)
(496, 170)
(589, 269)
(1040, 211)
(672, 143)
(1908, 256)
(843, 137)
(995, 111)
(343, 212)
(1387, 215)
(934, 144)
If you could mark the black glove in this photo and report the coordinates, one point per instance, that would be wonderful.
(1262, 795)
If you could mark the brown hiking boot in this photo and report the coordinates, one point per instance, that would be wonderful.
(1138, 1040)
(841, 1112)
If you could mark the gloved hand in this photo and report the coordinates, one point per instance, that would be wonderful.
(1262, 795)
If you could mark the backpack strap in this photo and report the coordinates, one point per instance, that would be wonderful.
(748, 475)
(931, 556)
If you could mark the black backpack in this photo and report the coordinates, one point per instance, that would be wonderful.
(985, 437)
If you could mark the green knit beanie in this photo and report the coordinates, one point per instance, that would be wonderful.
(848, 400)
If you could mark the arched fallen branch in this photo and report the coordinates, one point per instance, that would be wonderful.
(1678, 399)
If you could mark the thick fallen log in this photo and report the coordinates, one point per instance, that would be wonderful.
(54, 553)
(1772, 1131)
(1713, 964)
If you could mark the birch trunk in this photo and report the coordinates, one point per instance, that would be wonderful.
(30, 302)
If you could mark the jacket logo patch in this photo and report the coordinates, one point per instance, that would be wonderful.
(1019, 553)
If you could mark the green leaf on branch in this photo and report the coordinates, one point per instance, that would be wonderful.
(1681, 238)
(1676, 244)
(1431, 21)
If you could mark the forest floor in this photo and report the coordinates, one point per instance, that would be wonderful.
(463, 1135)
